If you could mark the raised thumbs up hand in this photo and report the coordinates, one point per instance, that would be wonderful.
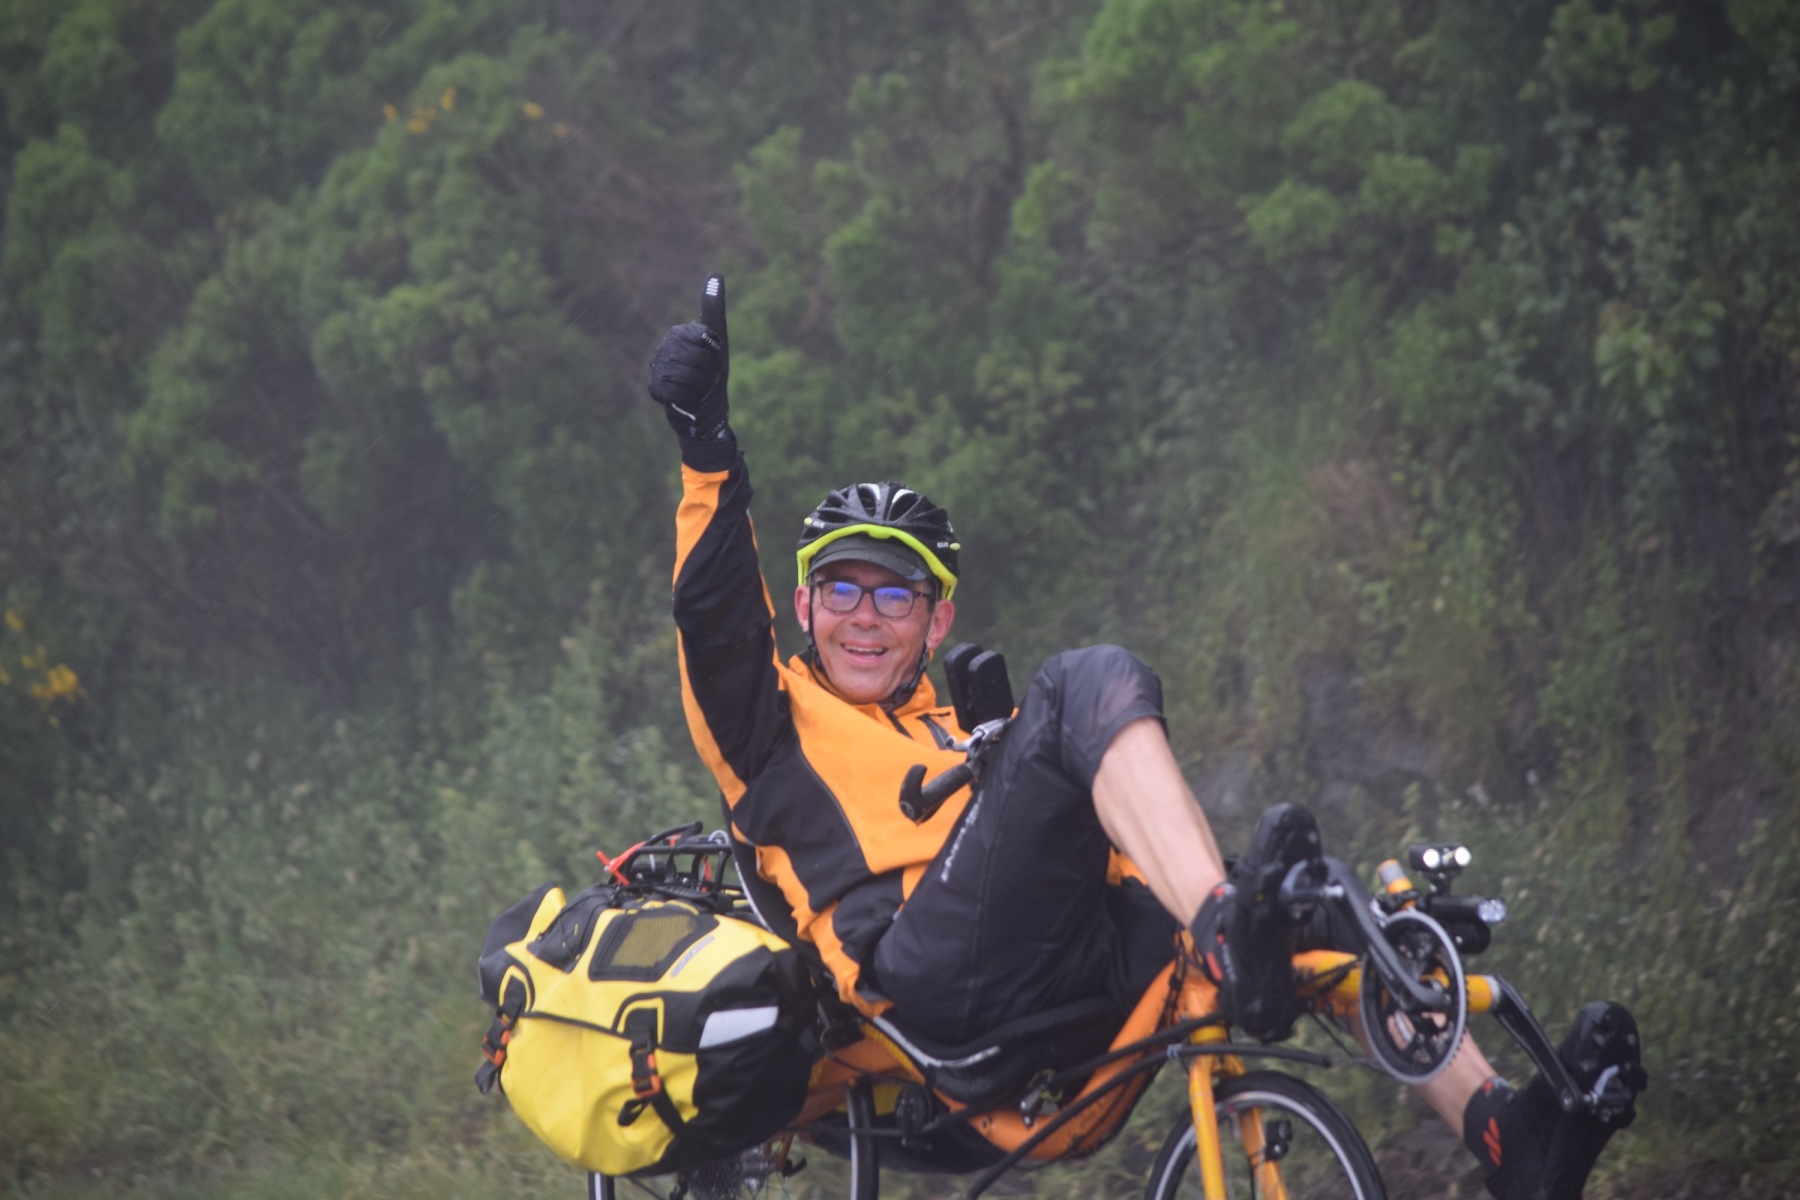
(688, 373)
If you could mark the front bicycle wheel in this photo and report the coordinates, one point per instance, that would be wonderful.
(752, 1175)
(1279, 1137)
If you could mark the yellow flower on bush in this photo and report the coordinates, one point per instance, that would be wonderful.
(59, 683)
(54, 683)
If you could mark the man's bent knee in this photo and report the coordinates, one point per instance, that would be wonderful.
(1093, 693)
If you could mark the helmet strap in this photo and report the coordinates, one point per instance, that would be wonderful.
(810, 656)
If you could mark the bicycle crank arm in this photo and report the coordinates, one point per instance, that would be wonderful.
(1509, 1008)
(1353, 899)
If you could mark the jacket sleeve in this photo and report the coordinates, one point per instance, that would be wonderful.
(724, 620)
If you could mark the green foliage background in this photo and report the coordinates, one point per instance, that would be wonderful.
(1417, 385)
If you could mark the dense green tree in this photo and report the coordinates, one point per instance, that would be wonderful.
(1414, 384)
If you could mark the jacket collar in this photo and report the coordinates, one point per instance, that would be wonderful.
(923, 700)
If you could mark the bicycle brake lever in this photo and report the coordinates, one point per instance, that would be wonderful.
(1296, 895)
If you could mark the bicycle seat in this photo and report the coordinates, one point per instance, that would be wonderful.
(1001, 1064)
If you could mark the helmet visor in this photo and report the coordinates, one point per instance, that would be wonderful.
(895, 556)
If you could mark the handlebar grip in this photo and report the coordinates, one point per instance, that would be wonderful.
(918, 802)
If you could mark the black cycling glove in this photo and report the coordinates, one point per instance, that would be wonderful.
(690, 368)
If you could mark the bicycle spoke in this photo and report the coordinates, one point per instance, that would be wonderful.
(750, 1176)
(1281, 1139)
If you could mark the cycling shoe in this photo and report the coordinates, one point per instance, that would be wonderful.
(1532, 1149)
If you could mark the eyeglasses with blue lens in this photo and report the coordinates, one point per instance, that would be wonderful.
(843, 597)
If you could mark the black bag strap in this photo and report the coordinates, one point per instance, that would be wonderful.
(493, 1042)
(646, 1085)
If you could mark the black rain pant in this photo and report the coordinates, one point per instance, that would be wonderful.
(1015, 916)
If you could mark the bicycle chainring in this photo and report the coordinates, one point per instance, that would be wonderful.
(1413, 1044)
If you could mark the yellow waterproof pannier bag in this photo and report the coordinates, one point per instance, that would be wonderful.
(638, 1033)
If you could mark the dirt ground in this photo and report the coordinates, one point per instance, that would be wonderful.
(1429, 1163)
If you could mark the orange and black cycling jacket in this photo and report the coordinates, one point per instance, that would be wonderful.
(812, 781)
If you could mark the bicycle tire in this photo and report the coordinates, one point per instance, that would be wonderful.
(865, 1150)
(1321, 1157)
(865, 1165)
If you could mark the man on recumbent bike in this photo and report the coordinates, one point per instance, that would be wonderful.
(1015, 900)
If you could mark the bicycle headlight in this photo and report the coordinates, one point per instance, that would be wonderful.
(1444, 858)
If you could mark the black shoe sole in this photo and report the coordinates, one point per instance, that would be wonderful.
(1604, 1053)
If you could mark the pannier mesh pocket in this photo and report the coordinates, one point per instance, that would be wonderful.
(648, 944)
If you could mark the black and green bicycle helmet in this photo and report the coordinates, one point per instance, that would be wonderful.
(884, 512)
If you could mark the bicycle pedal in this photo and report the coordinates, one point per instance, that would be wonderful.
(1603, 1050)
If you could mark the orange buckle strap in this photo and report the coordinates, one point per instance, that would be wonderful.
(645, 1082)
(493, 1042)
(640, 1026)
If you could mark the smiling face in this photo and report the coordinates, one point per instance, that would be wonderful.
(867, 656)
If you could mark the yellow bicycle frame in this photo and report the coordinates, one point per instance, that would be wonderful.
(1331, 982)
(1200, 998)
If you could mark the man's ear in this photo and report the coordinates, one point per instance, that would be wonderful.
(943, 615)
(803, 607)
